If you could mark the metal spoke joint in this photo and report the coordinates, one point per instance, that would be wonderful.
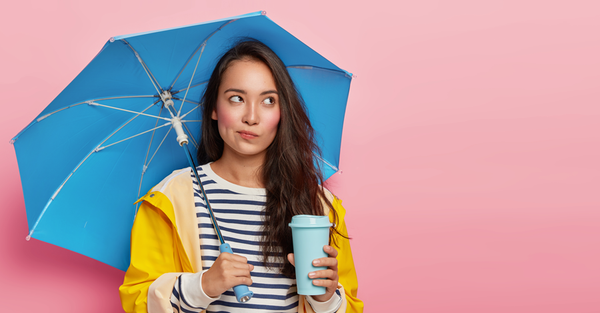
(182, 138)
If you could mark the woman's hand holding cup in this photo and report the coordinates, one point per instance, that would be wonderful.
(329, 277)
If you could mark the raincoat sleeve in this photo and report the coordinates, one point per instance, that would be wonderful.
(154, 265)
(348, 283)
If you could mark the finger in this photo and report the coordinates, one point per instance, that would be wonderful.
(331, 251)
(232, 257)
(226, 264)
(290, 257)
(242, 265)
(328, 283)
(329, 262)
(331, 274)
(235, 281)
(238, 273)
(246, 281)
(238, 258)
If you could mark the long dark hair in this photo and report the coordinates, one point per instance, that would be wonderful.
(292, 180)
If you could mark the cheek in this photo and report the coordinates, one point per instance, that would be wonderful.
(271, 120)
(226, 118)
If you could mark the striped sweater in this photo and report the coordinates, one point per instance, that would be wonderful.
(240, 213)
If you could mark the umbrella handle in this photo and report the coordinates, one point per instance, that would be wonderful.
(242, 293)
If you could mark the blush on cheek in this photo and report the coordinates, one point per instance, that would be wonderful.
(226, 118)
(271, 120)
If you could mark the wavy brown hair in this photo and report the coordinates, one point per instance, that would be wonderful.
(292, 180)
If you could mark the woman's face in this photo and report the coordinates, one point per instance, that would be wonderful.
(247, 110)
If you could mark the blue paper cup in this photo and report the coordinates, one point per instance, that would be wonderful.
(309, 233)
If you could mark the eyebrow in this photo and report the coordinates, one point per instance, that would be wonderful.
(244, 92)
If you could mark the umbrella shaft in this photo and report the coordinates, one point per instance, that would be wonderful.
(210, 212)
(242, 293)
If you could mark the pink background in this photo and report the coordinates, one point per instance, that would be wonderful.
(470, 152)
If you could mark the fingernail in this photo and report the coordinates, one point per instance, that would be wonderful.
(317, 262)
(312, 274)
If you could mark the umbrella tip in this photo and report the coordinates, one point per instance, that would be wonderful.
(263, 12)
(111, 39)
(28, 237)
(12, 141)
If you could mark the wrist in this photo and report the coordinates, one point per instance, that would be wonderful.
(329, 305)
(191, 290)
(323, 298)
(205, 287)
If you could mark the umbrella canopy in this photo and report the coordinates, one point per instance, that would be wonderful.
(107, 138)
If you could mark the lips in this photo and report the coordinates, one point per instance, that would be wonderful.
(247, 134)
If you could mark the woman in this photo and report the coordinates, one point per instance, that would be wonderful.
(257, 154)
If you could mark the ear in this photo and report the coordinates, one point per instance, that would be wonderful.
(214, 114)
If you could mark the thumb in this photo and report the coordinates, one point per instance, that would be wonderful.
(291, 258)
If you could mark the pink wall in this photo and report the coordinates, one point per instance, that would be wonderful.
(470, 153)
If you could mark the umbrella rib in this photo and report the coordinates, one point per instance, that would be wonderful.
(190, 111)
(148, 153)
(75, 170)
(186, 64)
(192, 78)
(187, 100)
(125, 110)
(144, 132)
(323, 160)
(146, 68)
(87, 102)
(158, 148)
(190, 87)
(189, 132)
(146, 160)
(203, 45)
(196, 51)
(312, 67)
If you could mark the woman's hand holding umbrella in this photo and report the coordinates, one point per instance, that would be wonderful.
(330, 275)
(229, 270)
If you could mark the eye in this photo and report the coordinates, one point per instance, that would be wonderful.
(236, 99)
(269, 101)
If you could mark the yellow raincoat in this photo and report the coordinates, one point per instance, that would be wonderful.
(165, 243)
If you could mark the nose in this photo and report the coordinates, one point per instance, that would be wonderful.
(251, 115)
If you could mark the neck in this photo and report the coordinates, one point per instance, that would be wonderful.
(240, 170)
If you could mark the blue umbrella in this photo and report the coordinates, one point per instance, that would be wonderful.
(111, 134)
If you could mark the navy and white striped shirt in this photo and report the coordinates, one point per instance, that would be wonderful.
(240, 213)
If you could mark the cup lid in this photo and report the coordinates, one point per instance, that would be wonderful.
(310, 221)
